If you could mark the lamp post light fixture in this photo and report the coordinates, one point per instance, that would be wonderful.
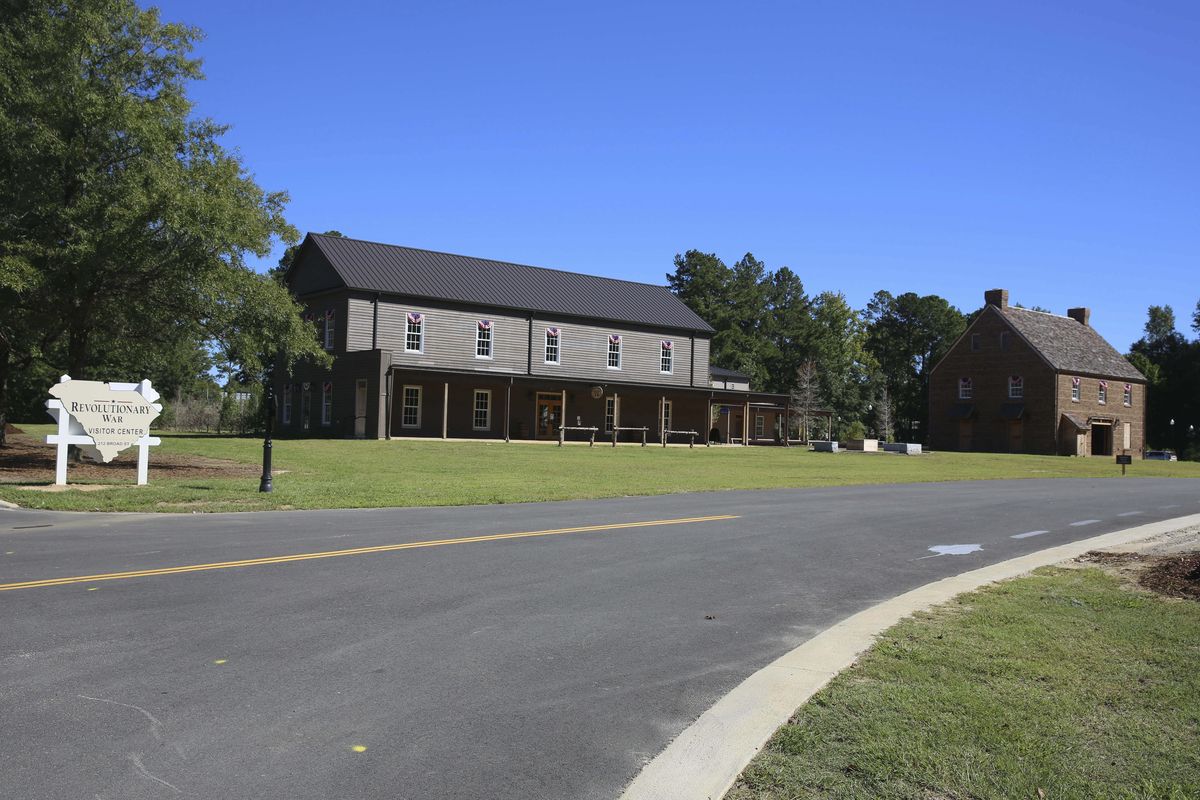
(265, 484)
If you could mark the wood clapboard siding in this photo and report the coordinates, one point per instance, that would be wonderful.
(703, 348)
(449, 338)
(449, 343)
(359, 324)
(584, 354)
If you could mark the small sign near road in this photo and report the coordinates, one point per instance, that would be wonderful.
(1124, 459)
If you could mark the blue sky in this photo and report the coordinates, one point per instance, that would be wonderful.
(948, 147)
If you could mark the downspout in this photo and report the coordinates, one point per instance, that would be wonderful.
(693, 377)
(529, 353)
(375, 322)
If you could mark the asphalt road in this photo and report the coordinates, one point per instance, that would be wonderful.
(548, 666)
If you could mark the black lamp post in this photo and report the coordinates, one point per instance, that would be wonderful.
(264, 485)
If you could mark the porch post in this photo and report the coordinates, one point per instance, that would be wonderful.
(507, 409)
(787, 422)
(746, 424)
(662, 421)
(445, 409)
(562, 415)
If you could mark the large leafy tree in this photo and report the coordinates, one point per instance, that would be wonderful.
(1171, 365)
(844, 365)
(123, 220)
(907, 335)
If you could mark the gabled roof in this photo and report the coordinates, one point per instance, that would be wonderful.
(427, 274)
(727, 374)
(1069, 346)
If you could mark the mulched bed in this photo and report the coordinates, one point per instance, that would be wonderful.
(29, 460)
(1175, 575)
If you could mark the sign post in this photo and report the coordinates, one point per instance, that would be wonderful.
(1124, 460)
(265, 484)
(102, 419)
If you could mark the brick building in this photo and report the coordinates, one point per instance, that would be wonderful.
(1024, 381)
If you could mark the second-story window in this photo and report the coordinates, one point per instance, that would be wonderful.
(667, 356)
(614, 351)
(483, 339)
(414, 333)
(1127, 397)
(966, 389)
(1075, 390)
(552, 338)
(1102, 394)
(1016, 387)
(329, 329)
(975, 346)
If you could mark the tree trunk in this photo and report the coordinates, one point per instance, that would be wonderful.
(5, 369)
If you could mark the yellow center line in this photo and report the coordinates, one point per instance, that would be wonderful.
(356, 551)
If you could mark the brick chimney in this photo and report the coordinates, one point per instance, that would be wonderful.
(1080, 315)
(996, 297)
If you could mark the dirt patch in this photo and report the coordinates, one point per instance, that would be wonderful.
(27, 459)
(74, 487)
(1174, 575)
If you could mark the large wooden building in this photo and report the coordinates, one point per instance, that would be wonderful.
(1026, 381)
(430, 344)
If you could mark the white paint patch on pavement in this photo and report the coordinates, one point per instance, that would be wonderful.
(954, 549)
(1083, 522)
(1173, 505)
(1129, 514)
(1027, 534)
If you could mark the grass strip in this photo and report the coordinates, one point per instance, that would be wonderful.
(1064, 684)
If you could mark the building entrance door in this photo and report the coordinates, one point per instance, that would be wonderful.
(1101, 439)
(360, 408)
(1016, 436)
(965, 435)
(549, 416)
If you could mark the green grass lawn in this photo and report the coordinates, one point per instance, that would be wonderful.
(1067, 681)
(322, 473)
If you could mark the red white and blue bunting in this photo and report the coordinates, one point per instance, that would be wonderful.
(327, 386)
(1014, 380)
(485, 324)
(1075, 382)
(329, 313)
(416, 317)
(614, 338)
(310, 317)
(552, 331)
(1128, 388)
(964, 383)
(667, 344)
(1103, 384)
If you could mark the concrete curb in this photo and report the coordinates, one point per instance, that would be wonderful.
(6, 504)
(706, 759)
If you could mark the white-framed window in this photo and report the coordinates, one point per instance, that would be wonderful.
(975, 339)
(285, 413)
(1127, 395)
(483, 339)
(1016, 387)
(1075, 389)
(966, 388)
(552, 345)
(612, 412)
(410, 412)
(666, 356)
(329, 330)
(760, 426)
(306, 406)
(327, 403)
(481, 420)
(666, 420)
(1102, 394)
(414, 333)
(614, 351)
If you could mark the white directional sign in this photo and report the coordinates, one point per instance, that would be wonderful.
(102, 419)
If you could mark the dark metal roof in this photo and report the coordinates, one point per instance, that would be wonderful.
(392, 269)
(1070, 346)
(728, 374)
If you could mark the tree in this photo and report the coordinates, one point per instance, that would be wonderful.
(121, 214)
(1196, 318)
(884, 420)
(1171, 365)
(907, 335)
(805, 396)
(843, 363)
(788, 327)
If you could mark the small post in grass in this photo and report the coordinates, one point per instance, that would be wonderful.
(1124, 459)
(265, 484)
